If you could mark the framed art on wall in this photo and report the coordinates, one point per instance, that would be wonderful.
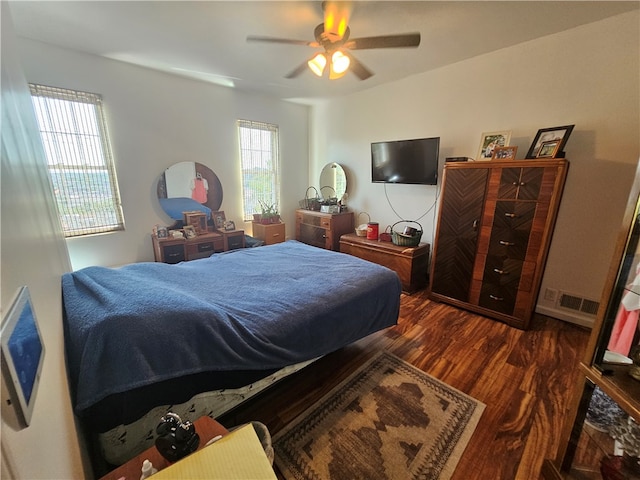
(559, 134)
(489, 141)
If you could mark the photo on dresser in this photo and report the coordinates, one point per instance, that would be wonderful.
(190, 231)
(218, 219)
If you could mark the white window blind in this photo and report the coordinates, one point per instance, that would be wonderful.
(260, 163)
(78, 152)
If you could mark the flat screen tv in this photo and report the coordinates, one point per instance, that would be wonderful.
(406, 161)
(22, 358)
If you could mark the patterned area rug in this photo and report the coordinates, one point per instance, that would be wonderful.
(388, 420)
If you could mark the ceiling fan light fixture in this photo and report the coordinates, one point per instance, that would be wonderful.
(339, 64)
(317, 64)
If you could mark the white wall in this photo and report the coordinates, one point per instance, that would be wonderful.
(33, 254)
(156, 120)
(588, 76)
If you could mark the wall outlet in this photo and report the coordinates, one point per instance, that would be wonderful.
(550, 294)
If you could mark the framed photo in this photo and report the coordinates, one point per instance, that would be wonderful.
(190, 231)
(489, 141)
(544, 135)
(162, 232)
(504, 153)
(230, 225)
(548, 149)
(218, 219)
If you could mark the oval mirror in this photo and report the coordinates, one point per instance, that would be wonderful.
(333, 181)
(187, 187)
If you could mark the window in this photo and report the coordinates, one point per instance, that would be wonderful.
(81, 168)
(260, 163)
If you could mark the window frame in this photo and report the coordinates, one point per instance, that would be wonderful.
(251, 202)
(82, 173)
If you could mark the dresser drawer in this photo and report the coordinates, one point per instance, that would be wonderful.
(173, 253)
(498, 298)
(323, 229)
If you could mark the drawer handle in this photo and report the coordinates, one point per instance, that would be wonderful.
(506, 244)
(276, 235)
(501, 272)
(171, 255)
(510, 215)
(497, 299)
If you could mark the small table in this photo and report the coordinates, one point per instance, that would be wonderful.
(270, 233)
(207, 428)
(410, 263)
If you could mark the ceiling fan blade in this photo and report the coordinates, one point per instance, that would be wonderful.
(384, 41)
(358, 68)
(288, 41)
(297, 71)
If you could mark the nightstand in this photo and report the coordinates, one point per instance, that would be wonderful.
(233, 239)
(206, 428)
(269, 233)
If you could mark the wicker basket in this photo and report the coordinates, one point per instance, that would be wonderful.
(361, 230)
(404, 240)
(386, 235)
(311, 203)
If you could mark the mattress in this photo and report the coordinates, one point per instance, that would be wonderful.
(150, 336)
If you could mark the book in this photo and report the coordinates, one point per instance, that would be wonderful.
(236, 456)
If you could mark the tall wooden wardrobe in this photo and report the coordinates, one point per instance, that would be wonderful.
(493, 234)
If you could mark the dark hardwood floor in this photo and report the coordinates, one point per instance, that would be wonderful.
(524, 378)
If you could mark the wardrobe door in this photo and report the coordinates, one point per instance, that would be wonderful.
(462, 202)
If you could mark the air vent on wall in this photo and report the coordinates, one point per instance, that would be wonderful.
(573, 302)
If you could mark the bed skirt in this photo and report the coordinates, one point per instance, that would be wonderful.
(122, 443)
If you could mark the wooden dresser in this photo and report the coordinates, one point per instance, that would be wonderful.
(494, 228)
(410, 263)
(176, 250)
(323, 229)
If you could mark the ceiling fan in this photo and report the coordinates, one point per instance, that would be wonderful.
(333, 36)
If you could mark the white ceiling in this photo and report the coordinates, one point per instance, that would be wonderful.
(206, 40)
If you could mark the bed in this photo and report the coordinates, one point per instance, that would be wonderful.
(200, 337)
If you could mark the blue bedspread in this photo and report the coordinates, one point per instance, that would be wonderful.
(249, 309)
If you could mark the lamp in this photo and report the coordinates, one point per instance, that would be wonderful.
(337, 68)
(339, 65)
(317, 64)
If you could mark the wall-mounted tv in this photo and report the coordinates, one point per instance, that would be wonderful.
(406, 161)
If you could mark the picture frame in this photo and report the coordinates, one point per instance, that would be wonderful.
(23, 351)
(491, 140)
(218, 219)
(190, 231)
(549, 134)
(162, 232)
(504, 153)
(548, 149)
(229, 225)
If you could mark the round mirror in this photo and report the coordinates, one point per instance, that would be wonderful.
(333, 182)
(188, 187)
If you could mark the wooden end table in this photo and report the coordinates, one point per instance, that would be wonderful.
(206, 428)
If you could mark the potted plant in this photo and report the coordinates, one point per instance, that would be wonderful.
(269, 213)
